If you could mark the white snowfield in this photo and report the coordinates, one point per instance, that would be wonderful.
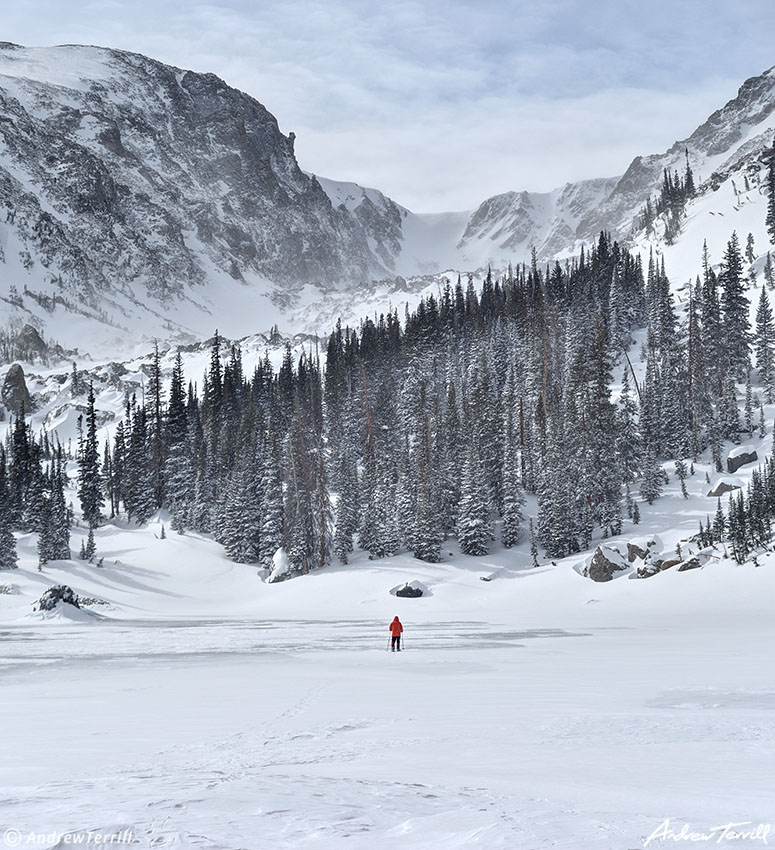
(205, 708)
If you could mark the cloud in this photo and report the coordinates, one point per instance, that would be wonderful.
(441, 104)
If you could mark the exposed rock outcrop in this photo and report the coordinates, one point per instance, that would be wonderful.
(14, 393)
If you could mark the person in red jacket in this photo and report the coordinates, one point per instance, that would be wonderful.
(395, 630)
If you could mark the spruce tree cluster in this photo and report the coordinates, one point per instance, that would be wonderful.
(33, 480)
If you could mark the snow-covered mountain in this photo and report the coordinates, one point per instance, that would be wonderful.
(734, 137)
(135, 192)
(140, 200)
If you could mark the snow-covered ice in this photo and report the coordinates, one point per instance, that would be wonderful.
(205, 708)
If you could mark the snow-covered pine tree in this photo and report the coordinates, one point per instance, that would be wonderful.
(764, 346)
(139, 500)
(346, 507)
(513, 498)
(681, 473)
(748, 408)
(769, 271)
(533, 545)
(8, 555)
(427, 535)
(653, 476)
(735, 308)
(711, 325)
(178, 468)
(59, 515)
(386, 540)
(729, 413)
(406, 495)
(90, 549)
(271, 538)
(44, 542)
(18, 469)
(750, 254)
(770, 217)
(156, 429)
(448, 450)
(89, 477)
(474, 532)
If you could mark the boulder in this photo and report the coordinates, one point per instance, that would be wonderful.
(605, 564)
(56, 594)
(691, 564)
(740, 457)
(14, 393)
(723, 486)
(635, 551)
(409, 592)
(670, 562)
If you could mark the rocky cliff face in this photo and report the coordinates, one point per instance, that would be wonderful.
(121, 174)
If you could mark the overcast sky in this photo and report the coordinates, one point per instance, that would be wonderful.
(443, 103)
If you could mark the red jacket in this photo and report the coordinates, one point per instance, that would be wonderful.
(395, 627)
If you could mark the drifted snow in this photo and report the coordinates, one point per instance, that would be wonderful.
(207, 706)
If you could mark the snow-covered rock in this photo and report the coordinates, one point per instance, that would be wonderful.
(740, 456)
(59, 594)
(410, 590)
(722, 486)
(607, 562)
(281, 567)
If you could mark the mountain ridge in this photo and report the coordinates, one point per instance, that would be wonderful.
(138, 195)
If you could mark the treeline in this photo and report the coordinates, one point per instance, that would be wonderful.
(408, 431)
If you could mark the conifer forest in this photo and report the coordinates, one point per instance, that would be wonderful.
(406, 431)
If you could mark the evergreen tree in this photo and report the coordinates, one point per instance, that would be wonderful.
(764, 346)
(735, 308)
(8, 556)
(346, 508)
(749, 252)
(653, 477)
(90, 549)
(749, 405)
(89, 478)
(156, 428)
(427, 534)
(770, 217)
(474, 531)
(533, 545)
(272, 526)
(19, 470)
(769, 272)
(680, 471)
(513, 498)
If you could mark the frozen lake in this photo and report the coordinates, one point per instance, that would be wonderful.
(240, 733)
